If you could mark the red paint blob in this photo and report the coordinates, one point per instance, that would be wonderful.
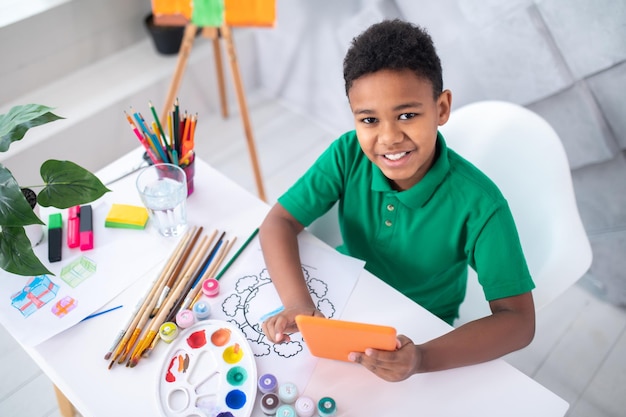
(197, 339)
(169, 376)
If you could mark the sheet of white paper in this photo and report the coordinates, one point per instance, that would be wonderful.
(247, 296)
(116, 267)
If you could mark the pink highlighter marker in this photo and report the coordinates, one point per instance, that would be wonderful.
(86, 228)
(73, 227)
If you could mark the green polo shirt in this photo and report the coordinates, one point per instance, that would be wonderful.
(421, 240)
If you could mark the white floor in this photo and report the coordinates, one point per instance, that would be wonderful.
(580, 344)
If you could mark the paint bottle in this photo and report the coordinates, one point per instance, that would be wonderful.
(269, 404)
(326, 407)
(305, 406)
(185, 318)
(168, 331)
(286, 410)
(210, 287)
(267, 383)
(201, 310)
(288, 392)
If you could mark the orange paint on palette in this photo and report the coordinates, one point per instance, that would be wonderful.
(220, 337)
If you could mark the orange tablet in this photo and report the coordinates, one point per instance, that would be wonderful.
(335, 339)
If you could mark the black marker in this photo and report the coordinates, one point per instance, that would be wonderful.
(55, 237)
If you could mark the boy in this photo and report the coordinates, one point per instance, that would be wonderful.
(413, 209)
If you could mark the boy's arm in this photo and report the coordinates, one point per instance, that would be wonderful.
(510, 327)
(278, 236)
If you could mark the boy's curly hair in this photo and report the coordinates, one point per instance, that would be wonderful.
(394, 45)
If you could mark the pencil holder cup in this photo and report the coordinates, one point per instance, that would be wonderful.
(188, 167)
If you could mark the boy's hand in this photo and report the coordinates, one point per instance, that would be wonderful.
(391, 366)
(278, 327)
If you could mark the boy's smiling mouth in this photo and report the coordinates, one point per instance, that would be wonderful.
(395, 156)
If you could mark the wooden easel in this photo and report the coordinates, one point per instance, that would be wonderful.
(215, 34)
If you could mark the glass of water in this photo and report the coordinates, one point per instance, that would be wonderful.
(163, 190)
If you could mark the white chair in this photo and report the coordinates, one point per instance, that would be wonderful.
(524, 156)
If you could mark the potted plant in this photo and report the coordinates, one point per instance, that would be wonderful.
(65, 184)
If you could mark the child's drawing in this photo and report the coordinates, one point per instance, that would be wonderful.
(248, 307)
(36, 293)
(64, 306)
(77, 271)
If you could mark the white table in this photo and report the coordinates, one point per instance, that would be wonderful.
(73, 359)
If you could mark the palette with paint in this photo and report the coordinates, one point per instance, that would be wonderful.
(209, 371)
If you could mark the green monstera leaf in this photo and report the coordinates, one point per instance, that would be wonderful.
(68, 184)
(16, 253)
(15, 124)
(14, 209)
(65, 184)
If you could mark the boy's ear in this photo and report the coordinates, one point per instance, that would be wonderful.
(444, 105)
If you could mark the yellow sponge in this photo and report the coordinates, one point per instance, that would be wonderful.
(126, 217)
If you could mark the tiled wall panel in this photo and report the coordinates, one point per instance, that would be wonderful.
(591, 34)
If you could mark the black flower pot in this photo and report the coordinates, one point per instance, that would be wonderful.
(166, 39)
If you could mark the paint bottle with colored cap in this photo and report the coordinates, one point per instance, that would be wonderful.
(267, 383)
(305, 406)
(202, 310)
(210, 287)
(286, 410)
(326, 407)
(288, 392)
(269, 404)
(168, 331)
(185, 318)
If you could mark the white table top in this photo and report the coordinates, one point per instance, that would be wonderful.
(74, 361)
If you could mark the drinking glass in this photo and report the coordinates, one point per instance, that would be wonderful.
(163, 190)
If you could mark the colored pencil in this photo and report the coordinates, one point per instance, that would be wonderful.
(160, 128)
(188, 141)
(142, 140)
(151, 138)
(236, 255)
(176, 126)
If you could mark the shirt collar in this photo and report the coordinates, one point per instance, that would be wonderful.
(416, 196)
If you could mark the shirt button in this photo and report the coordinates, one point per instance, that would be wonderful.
(388, 223)
(390, 207)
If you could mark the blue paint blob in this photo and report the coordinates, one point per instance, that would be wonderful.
(225, 414)
(235, 399)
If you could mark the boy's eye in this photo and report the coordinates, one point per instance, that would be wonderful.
(407, 116)
(369, 120)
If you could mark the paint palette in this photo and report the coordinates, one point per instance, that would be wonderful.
(209, 371)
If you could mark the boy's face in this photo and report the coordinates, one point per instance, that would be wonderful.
(396, 120)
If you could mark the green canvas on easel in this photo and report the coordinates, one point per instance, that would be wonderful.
(208, 13)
